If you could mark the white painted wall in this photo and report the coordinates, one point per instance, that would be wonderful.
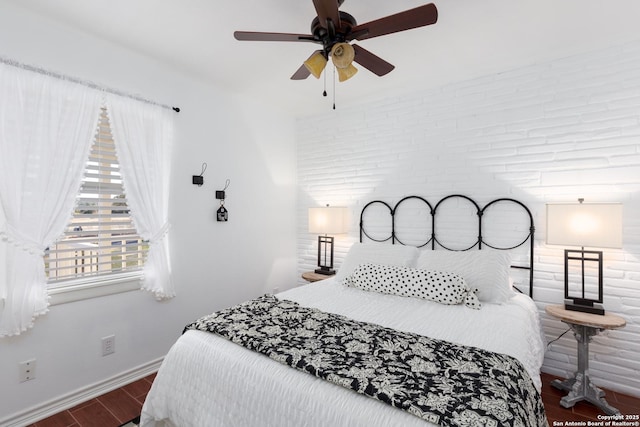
(214, 264)
(551, 132)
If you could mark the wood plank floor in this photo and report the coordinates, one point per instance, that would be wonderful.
(118, 407)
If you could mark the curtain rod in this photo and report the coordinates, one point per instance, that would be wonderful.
(87, 83)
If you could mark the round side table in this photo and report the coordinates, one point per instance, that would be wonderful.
(312, 276)
(584, 326)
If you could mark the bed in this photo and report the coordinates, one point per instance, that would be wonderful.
(484, 330)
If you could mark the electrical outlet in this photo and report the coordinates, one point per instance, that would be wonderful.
(108, 345)
(27, 370)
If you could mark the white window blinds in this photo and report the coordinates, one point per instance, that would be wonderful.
(101, 238)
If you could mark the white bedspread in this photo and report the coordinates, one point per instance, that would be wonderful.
(207, 381)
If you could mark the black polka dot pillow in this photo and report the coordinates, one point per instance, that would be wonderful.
(438, 286)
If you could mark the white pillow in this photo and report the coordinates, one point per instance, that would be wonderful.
(376, 253)
(438, 286)
(485, 271)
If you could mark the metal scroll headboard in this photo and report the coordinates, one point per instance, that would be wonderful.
(390, 232)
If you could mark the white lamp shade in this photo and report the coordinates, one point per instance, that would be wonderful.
(328, 220)
(585, 224)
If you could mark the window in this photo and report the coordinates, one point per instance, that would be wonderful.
(100, 241)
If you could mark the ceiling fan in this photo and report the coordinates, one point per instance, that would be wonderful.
(334, 29)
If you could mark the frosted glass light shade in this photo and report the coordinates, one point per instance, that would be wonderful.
(328, 220)
(585, 224)
(346, 73)
(315, 64)
(342, 55)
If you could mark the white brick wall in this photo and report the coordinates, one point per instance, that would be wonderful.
(549, 132)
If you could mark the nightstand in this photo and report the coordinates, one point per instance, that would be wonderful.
(312, 276)
(584, 326)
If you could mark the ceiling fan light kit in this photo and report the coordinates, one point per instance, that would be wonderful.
(335, 29)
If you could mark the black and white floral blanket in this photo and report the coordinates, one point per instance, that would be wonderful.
(441, 382)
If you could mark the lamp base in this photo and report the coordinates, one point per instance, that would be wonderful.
(326, 271)
(584, 308)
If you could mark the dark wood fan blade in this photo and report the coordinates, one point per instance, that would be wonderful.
(371, 62)
(327, 9)
(412, 18)
(272, 37)
(301, 74)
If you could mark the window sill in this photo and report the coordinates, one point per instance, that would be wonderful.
(78, 290)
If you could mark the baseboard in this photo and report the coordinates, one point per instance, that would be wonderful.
(52, 407)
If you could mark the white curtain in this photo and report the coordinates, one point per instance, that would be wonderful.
(143, 135)
(46, 129)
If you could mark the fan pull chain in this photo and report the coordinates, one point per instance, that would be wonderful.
(334, 88)
(324, 78)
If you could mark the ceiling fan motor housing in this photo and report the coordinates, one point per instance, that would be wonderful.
(330, 36)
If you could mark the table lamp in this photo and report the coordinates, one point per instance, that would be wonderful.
(585, 225)
(324, 221)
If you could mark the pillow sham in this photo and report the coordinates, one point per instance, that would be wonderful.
(485, 271)
(443, 287)
(376, 253)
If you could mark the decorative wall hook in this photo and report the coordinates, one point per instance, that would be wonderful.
(222, 214)
(199, 179)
